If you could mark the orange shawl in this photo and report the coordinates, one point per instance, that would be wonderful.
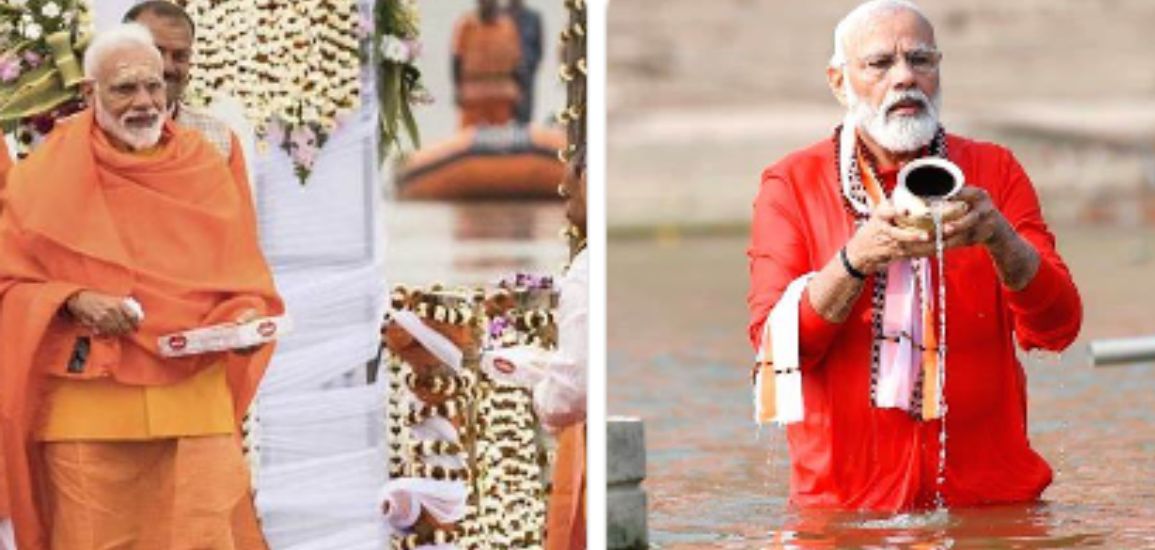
(5, 160)
(5, 165)
(175, 229)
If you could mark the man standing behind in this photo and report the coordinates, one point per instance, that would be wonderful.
(122, 227)
(174, 32)
(485, 59)
(851, 290)
(529, 30)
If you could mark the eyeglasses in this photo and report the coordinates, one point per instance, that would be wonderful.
(919, 61)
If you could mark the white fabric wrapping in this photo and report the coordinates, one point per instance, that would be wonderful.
(360, 537)
(312, 499)
(444, 500)
(435, 428)
(441, 347)
(782, 326)
(310, 425)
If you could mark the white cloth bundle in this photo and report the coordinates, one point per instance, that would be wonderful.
(444, 500)
(441, 347)
(435, 428)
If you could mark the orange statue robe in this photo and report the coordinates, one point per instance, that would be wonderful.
(68, 208)
(489, 54)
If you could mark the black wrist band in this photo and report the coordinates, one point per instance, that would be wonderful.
(849, 268)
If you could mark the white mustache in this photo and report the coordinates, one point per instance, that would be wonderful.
(910, 95)
(151, 113)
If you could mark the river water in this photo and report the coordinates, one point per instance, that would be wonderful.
(471, 243)
(678, 358)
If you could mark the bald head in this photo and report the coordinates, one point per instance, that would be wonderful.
(866, 16)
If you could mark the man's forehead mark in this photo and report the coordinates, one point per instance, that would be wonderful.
(129, 71)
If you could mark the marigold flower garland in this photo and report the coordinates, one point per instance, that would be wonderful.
(296, 66)
(498, 436)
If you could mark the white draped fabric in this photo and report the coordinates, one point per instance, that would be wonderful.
(320, 424)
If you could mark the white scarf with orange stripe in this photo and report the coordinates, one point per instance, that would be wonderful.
(906, 361)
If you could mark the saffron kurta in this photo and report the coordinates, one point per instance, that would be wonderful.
(846, 453)
(5, 165)
(489, 53)
(174, 229)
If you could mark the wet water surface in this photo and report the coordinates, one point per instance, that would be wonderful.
(679, 358)
(472, 243)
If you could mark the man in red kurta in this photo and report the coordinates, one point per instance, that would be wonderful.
(822, 218)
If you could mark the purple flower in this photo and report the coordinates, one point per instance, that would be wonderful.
(528, 281)
(33, 59)
(9, 68)
(302, 136)
(304, 156)
(414, 47)
(497, 327)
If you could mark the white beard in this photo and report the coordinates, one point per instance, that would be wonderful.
(136, 138)
(897, 133)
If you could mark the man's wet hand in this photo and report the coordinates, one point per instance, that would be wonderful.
(879, 241)
(982, 224)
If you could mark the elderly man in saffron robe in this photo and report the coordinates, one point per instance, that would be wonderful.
(122, 227)
(843, 297)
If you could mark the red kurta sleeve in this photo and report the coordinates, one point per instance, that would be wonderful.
(778, 254)
(1048, 312)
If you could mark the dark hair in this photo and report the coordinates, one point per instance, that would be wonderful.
(160, 8)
